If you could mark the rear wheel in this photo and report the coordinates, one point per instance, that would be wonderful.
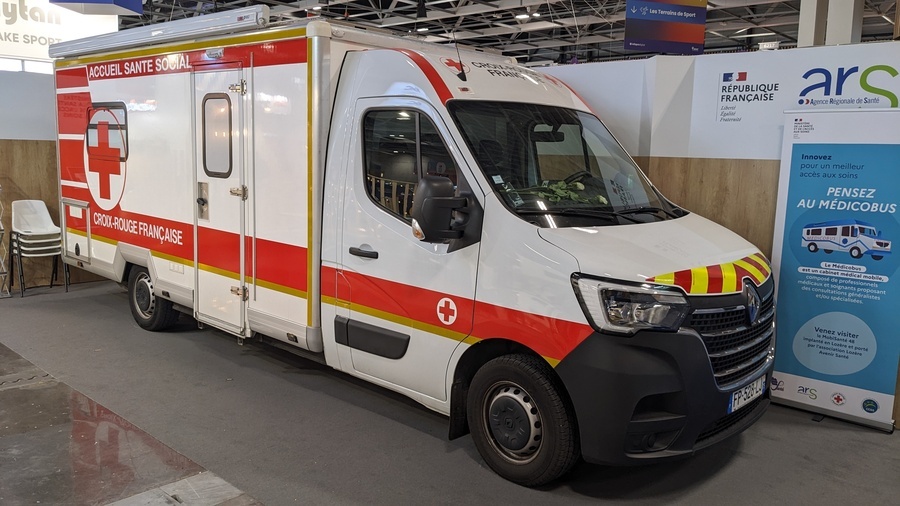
(524, 429)
(855, 252)
(149, 311)
(877, 257)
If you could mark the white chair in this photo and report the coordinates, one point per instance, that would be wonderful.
(33, 236)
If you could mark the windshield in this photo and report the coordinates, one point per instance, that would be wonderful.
(557, 163)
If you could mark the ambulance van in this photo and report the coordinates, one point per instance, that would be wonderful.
(438, 221)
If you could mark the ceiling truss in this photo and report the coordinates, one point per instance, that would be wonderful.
(536, 31)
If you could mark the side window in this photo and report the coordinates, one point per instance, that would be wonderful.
(400, 146)
(107, 131)
(831, 231)
(216, 112)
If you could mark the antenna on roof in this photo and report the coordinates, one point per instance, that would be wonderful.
(462, 67)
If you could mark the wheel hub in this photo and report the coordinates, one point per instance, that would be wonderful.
(144, 299)
(514, 422)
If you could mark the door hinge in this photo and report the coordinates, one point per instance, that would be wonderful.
(240, 191)
(240, 87)
(240, 291)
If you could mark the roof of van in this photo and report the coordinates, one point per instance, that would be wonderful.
(838, 223)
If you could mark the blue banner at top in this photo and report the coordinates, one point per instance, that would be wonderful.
(666, 26)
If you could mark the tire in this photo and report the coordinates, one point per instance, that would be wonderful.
(813, 247)
(524, 429)
(855, 252)
(827, 251)
(877, 257)
(149, 311)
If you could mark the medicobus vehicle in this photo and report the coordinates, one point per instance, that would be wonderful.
(853, 236)
(437, 221)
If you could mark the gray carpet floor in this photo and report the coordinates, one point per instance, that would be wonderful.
(288, 431)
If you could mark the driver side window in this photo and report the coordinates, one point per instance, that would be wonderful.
(400, 146)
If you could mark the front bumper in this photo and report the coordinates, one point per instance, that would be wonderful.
(651, 396)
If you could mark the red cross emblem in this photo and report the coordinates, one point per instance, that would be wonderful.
(104, 159)
(446, 311)
(105, 153)
(456, 66)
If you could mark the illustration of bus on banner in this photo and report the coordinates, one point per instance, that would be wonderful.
(853, 236)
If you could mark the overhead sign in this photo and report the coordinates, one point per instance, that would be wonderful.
(666, 26)
(29, 27)
(836, 264)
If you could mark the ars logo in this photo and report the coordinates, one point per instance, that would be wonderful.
(105, 152)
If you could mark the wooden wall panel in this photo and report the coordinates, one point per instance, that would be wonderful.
(28, 171)
(738, 194)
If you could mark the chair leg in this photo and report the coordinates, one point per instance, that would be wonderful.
(21, 274)
(66, 274)
(53, 271)
(10, 260)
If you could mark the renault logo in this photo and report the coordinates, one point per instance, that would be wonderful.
(753, 303)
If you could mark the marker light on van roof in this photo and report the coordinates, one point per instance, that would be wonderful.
(626, 309)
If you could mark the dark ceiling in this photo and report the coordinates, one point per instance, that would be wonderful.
(554, 31)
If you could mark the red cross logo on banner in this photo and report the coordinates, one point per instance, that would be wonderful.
(446, 311)
(105, 151)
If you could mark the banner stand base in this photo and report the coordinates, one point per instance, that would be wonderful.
(886, 427)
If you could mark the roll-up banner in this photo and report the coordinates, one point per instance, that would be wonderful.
(835, 265)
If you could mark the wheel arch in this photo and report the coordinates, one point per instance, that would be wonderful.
(469, 363)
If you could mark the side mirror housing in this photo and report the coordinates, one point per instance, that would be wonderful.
(432, 210)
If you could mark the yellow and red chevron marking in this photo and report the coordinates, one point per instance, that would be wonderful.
(719, 278)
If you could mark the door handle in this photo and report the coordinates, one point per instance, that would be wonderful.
(202, 201)
(363, 253)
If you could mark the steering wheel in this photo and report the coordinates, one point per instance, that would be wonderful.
(578, 176)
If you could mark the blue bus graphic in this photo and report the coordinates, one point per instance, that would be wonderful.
(853, 236)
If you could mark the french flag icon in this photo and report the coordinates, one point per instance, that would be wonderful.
(729, 77)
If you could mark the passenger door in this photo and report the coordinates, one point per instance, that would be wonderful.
(410, 302)
(221, 194)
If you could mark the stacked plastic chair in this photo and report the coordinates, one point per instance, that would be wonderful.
(34, 235)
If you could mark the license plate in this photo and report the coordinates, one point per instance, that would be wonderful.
(742, 397)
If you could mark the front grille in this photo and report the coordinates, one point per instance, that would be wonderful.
(736, 348)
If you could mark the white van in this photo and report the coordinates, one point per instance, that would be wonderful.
(438, 221)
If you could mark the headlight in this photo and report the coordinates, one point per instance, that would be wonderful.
(628, 308)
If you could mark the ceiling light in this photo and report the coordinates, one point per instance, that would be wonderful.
(748, 35)
(422, 29)
(522, 16)
(317, 8)
(536, 15)
(889, 20)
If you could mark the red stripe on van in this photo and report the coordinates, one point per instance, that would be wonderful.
(260, 55)
(431, 73)
(551, 337)
(71, 78)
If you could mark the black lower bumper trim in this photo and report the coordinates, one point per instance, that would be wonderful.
(650, 397)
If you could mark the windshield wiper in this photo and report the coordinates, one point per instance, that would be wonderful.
(648, 209)
(593, 213)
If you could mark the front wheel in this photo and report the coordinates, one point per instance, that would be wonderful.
(522, 425)
(813, 247)
(149, 311)
(855, 252)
